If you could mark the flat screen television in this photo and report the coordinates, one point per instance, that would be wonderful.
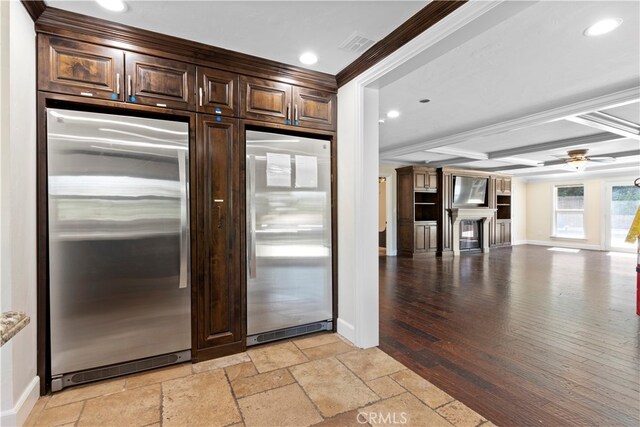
(469, 191)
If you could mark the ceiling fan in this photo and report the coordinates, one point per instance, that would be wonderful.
(578, 159)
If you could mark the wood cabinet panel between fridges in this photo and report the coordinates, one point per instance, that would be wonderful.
(220, 310)
(217, 92)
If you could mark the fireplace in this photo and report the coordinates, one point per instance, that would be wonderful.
(464, 235)
(470, 235)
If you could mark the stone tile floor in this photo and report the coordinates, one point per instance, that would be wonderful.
(318, 380)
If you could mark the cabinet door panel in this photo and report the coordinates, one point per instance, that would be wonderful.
(420, 180)
(314, 108)
(433, 237)
(507, 233)
(77, 68)
(265, 99)
(432, 181)
(218, 92)
(420, 238)
(219, 291)
(506, 186)
(159, 82)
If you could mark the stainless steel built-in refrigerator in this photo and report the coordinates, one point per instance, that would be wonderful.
(118, 244)
(289, 268)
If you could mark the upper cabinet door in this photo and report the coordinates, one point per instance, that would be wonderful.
(77, 68)
(314, 108)
(217, 92)
(159, 82)
(506, 186)
(265, 100)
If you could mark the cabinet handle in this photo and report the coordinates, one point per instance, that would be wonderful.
(118, 83)
(288, 112)
(200, 95)
(129, 85)
(295, 114)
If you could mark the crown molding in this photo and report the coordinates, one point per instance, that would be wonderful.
(99, 31)
(35, 8)
(428, 16)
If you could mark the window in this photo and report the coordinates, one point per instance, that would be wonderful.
(625, 200)
(569, 212)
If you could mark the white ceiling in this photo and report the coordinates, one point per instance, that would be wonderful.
(487, 89)
(277, 30)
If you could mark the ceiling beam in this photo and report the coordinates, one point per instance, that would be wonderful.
(554, 145)
(448, 162)
(609, 123)
(616, 99)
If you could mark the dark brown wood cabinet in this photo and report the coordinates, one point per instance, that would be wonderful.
(287, 104)
(417, 210)
(217, 92)
(314, 108)
(77, 68)
(69, 66)
(218, 243)
(159, 82)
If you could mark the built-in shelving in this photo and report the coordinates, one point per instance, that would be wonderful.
(503, 205)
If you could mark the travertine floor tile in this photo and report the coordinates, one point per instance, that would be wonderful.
(371, 363)
(421, 388)
(385, 387)
(404, 409)
(197, 399)
(222, 362)
(276, 356)
(332, 387)
(158, 376)
(79, 393)
(460, 414)
(243, 387)
(241, 370)
(316, 340)
(137, 407)
(327, 350)
(285, 406)
(58, 415)
(35, 411)
(346, 419)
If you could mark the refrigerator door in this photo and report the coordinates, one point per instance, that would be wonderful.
(289, 277)
(118, 238)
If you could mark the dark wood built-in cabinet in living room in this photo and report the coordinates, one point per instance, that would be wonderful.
(417, 210)
(425, 200)
(86, 63)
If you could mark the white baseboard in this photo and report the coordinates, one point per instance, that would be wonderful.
(347, 330)
(519, 242)
(392, 253)
(17, 415)
(562, 244)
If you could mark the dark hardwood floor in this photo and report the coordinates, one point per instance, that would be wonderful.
(522, 335)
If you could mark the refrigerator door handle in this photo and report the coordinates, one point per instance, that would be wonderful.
(184, 221)
(251, 172)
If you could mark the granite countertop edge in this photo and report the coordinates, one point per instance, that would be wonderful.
(12, 322)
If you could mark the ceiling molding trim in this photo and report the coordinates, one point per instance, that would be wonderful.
(99, 31)
(475, 155)
(35, 8)
(428, 16)
(616, 99)
(609, 123)
(449, 162)
(554, 145)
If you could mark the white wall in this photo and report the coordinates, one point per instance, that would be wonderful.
(18, 208)
(518, 211)
(539, 207)
(357, 219)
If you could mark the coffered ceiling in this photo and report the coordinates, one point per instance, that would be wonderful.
(515, 92)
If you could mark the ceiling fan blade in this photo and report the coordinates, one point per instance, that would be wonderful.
(602, 159)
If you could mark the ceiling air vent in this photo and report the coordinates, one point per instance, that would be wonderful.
(356, 43)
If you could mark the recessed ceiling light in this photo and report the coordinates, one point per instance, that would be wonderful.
(113, 5)
(381, 121)
(603, 27)
(424, 101)
(308, 58)
(393, 114)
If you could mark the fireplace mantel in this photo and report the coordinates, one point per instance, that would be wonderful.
(462, 214)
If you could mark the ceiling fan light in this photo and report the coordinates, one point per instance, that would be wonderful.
(577, 165)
